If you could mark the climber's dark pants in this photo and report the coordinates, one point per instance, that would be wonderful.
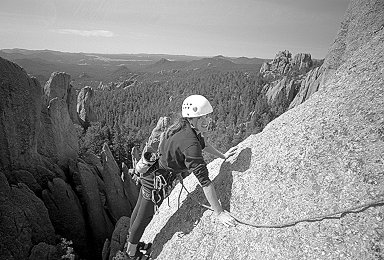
(140, 218)
(141, 215)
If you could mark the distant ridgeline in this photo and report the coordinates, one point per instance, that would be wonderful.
(244, 103)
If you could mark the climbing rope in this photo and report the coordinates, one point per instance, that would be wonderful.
(335, 215)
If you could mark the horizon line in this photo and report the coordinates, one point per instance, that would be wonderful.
(145, 53)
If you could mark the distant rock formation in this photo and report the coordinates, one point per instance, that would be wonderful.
(283, 64)
(121, 84)
(285, 74)
(280, 65)
(59, 86)
(320, 158)
(85, 107)
(302, 62)
(126, 84)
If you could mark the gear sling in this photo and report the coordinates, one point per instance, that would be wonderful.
(162, 184)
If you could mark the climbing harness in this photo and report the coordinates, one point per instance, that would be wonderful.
(335, 215)
(159, 184)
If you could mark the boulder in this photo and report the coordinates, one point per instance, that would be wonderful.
(24, 221)
(320, 158)
(66, 214)
(117, 200)
(85, 110)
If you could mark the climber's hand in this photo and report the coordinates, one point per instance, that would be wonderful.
(230, 152)
(226, 219)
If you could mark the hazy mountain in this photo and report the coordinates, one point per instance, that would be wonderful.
(118, 67)
(217, 63)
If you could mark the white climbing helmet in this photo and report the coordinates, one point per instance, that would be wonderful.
(195, 106)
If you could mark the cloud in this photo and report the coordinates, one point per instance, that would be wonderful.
(89, 33)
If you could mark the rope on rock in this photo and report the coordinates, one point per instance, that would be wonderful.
(335, 215)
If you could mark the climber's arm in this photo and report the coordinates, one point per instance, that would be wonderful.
(223, 216)
(212, 150)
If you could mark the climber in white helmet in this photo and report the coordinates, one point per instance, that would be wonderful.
(180, 151)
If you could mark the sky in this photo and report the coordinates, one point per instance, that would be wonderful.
(233, 28)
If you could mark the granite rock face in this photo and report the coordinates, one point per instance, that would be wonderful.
(57, 139)
(322, 157)
(118, 239)
(117, 199)
(43, 251)
(308, 86)
(66, 213)
(85, 107)
(24, 221)
(20, 107)
(302, 62)
(285, 86)
(59, 86)
(362, 21)
(100, 225)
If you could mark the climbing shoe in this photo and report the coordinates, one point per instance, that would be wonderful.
(138, 256)
(141, 246)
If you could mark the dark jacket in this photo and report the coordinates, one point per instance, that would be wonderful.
(184, 151)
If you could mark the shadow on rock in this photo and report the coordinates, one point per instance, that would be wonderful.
(189, 214)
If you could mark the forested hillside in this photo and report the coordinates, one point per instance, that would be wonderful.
(126, 117)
